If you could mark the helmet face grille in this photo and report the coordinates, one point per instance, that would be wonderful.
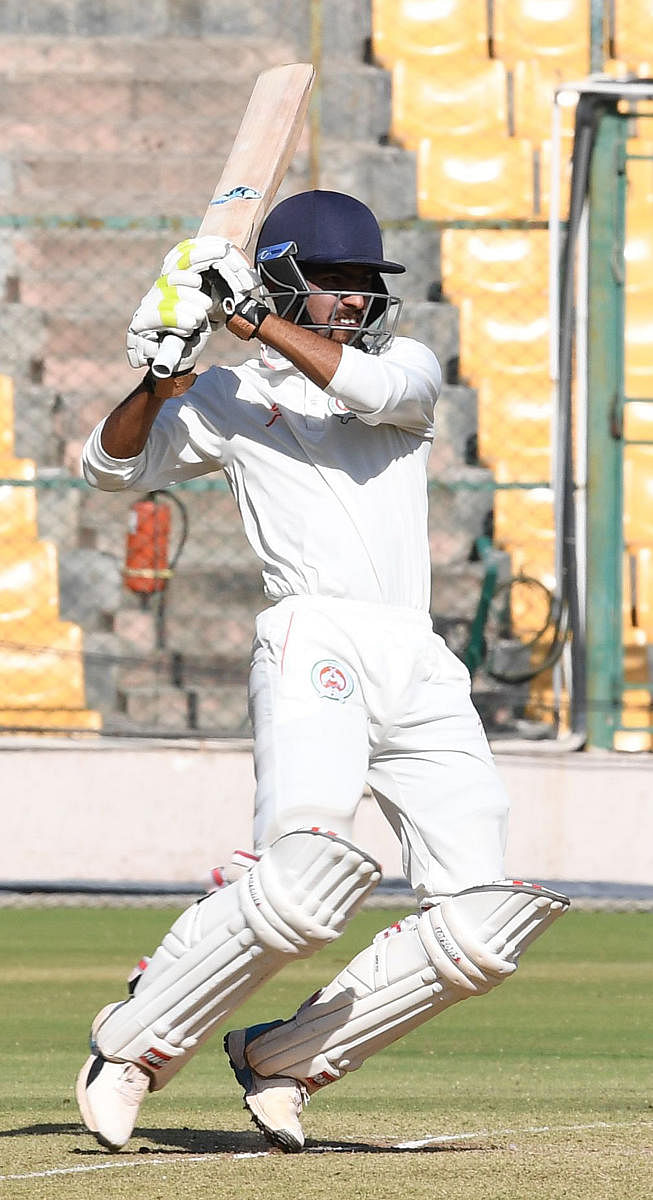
(377, 322)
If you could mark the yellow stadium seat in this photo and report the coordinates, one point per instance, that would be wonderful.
(643, 595)
(521, 463)
(638, 348)
(17, 510)
(638, 496)
(474, 178)
(28, 582)
(534, 83)
(6, 417)
(638, 251)
(497, 262)
(524, 526)
(638, 421)
(639, 176)
(433, 29)
(492, 341)
(557, 31)
(634, 33)
(41, 665)
(514, 429)
(637, 702)
(447, 100)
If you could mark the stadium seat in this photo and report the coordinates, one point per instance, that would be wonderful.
(638, 251)
(467, 177)
(495, 342)
(515, 430)
(557, 31)
(520, 462)
(639, 175)
(6, 417)
(638, 349)
(638, 496)
(534, 83)
(638, 421)
(637, 706)
(497, 262)
(447, 100)
(29, 582)
(42, 666)
(433, 29)
(17, 503)
(641, 598)
(633, 21)
(524, 526)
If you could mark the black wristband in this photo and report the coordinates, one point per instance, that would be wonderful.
(252, 311)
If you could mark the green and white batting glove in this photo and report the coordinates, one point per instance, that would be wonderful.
(186, 299)
(214, 255)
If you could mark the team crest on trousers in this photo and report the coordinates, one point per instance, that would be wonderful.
(339, 409)
(331, 680)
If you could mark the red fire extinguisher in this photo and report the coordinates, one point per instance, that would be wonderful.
(147, 565)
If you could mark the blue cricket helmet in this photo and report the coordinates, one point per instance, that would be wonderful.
(321, 229)
(327, 227)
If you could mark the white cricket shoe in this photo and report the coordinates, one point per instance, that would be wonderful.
(109, 1094)
(275, 1101)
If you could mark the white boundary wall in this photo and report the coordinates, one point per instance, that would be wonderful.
(168, 813)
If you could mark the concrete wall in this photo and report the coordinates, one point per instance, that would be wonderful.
(169, 813)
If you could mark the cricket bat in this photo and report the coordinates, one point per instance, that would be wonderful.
(258, 160)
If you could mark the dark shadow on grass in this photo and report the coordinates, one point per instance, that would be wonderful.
(29, 1130)
(226, 1141)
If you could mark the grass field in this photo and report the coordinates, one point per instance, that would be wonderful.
(543, 1089)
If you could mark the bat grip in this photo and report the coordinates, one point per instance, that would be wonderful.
(168, 356)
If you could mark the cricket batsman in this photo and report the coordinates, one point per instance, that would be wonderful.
(324, 438)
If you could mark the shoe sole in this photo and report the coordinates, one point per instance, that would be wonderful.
(234, 1045)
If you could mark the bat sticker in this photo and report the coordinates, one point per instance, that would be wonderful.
(242, 192)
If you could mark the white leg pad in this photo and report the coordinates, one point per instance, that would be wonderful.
(463, 946)
(296, 898)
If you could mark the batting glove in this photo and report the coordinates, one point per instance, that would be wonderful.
(174, 304)
(224, 267)
(187, 298)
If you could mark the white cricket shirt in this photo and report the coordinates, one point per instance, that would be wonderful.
(331, 485)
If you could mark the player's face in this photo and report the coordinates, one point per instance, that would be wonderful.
(339, 297)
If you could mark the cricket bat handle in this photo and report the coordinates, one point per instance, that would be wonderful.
(168, 356)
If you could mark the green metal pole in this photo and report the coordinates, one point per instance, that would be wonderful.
(597, 26)
(604, 431)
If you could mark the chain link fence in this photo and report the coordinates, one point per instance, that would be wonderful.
(102, 171)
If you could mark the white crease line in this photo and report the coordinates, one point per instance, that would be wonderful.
(438, 1139)
(112, 1166)
(480, 1133)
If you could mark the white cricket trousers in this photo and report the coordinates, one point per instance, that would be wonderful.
(343, 693)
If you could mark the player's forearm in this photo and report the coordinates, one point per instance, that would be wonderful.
(127, 428)
(315, 356)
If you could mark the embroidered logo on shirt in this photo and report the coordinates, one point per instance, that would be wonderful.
(340, 410)
(276, 412)
(331, 680)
